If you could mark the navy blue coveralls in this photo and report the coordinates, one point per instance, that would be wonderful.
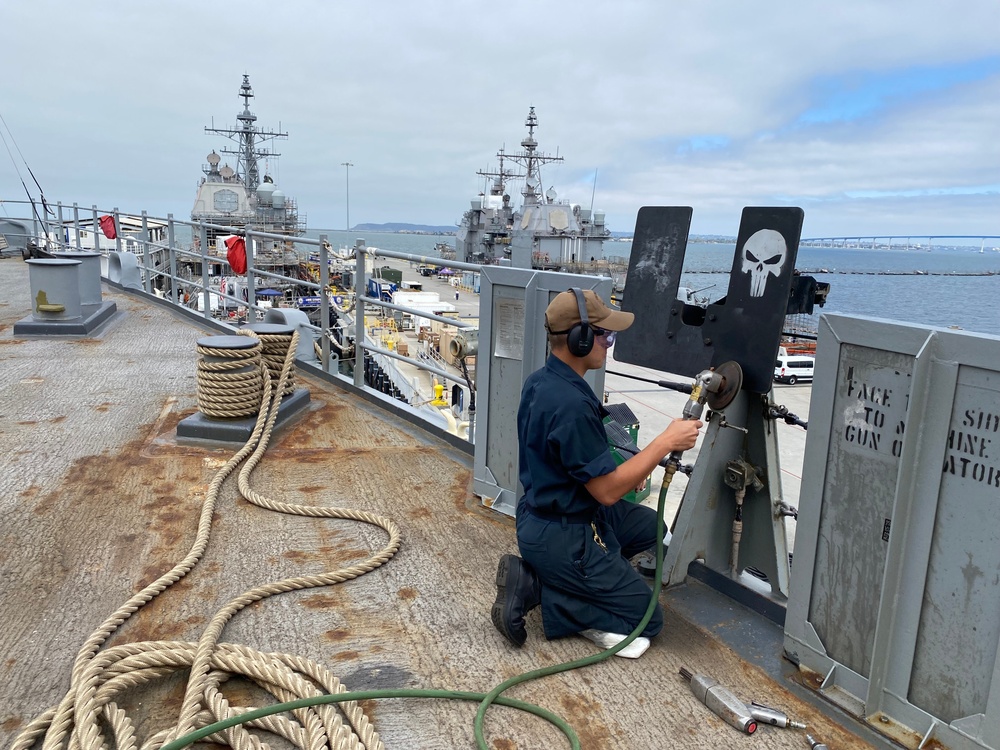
(562, 445)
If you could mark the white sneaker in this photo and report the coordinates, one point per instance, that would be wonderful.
(609, 640)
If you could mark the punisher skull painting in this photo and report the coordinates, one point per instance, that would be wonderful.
(763, 255)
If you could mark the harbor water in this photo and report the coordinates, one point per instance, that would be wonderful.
(937, 286)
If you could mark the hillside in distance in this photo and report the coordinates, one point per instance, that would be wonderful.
(407, 228)
(404, 228)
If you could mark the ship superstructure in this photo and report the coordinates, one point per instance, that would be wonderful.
(484, 235)
(546, 232)
(242, 197)
(245, 201)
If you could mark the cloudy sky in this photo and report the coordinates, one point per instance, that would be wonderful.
(875, 117)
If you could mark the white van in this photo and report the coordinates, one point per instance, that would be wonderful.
(791, 368)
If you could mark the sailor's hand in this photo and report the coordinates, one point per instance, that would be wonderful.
(681, 434)
(642, 485)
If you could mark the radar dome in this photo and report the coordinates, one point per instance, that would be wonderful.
(265, 193)
(278, 199)
(226, 172)
(213, 159)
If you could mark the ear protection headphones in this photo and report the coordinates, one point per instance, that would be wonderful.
(580, 338)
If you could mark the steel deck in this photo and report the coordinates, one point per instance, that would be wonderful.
(99, 498)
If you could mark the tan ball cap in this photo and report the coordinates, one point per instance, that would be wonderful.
(563, 313)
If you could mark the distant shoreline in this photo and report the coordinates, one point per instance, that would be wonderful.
(713, 239)
(819, 271)
(448, 232)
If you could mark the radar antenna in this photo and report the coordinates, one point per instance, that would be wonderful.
(248, 136)
(500, 177)
(531, 160)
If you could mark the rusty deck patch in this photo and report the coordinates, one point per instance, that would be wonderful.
(98, 500)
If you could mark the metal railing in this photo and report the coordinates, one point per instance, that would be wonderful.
(162, 257)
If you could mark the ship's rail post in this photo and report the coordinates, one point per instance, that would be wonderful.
(203, 236)
(360, 284)
(147, 282)
(251, 286)
(97, 229)
(118, 230)
(57, 240)
(76, 227)
(172, 258)
(324, 305)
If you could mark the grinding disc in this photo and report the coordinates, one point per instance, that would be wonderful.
(732, 381)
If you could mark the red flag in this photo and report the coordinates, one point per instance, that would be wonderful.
(236, 254)
(108, 227)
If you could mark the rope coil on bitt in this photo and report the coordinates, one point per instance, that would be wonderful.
(89, 717)
(230, 380)
(275, 339)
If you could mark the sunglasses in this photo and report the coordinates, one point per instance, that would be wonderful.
(607, 337)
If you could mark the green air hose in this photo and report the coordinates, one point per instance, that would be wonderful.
(99, 675)
(486, 699)
(588, 660)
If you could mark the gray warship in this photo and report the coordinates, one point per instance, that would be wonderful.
(246, 199)
(242, 196)
(545, 232)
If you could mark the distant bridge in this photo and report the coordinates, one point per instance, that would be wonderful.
(889, 241)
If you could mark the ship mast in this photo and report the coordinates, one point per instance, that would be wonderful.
(248, 136)
(531, 160)
(500, 177)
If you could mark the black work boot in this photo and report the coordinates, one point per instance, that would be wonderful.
(518, 593)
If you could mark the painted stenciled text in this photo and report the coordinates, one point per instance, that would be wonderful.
(866, 424)
(972, 444)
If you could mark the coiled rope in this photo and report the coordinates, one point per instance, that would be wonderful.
(230, 380)
(88, 712)
(275, 345)
(88, 718)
